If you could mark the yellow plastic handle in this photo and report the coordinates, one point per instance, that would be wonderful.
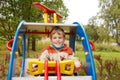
(64, 64)
(40, 68)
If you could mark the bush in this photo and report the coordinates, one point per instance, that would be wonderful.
(107, 69)
(3, 45)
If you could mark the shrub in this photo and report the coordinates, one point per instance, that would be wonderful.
(108, 69)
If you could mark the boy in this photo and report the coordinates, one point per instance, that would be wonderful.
(58, 50)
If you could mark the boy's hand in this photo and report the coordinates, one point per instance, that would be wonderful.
(35, 68)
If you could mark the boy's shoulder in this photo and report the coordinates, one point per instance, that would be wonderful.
(67, 49)
(47, 48)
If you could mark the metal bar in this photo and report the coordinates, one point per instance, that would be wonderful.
(67, 33)
(10, 70)
(23, 55)
(47, 24)
(87, 49)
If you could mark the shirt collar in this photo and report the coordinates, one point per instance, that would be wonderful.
(58, 48)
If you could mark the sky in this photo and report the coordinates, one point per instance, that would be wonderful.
(81, 10)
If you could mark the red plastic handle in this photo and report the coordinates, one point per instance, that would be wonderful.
(46, 70)
(9, 44)
(92, 45)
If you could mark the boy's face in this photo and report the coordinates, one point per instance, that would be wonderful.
(57, 39)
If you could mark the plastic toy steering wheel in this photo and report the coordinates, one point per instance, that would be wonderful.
(51, 65)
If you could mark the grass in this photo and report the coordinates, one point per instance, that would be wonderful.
(108, 55)
(105, 55)
(107, 64)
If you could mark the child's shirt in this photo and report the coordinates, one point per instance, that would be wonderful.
(65, 53)
(52, 50)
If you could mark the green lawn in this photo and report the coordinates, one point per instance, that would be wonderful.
(107, 64)
(108, 55)
(104, 55)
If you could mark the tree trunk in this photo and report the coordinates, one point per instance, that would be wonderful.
(28, 45)
(33, 44)
(118, 34)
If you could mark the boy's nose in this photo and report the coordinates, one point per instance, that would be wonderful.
(57, 39)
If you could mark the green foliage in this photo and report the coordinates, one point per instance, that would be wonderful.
(108, 68)
(103, 34)
(106, 47)
(108, 18)
(110, 13)
(42, 44)
(13, 11)
(2, 44)
(92, 32)
(57, 5)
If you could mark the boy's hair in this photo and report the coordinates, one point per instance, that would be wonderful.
(57, 30)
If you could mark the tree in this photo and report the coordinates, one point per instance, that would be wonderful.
(92, 32)
(110, 14)
(101, 30)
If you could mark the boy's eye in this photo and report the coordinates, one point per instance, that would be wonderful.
(60, 37)
(54, 37)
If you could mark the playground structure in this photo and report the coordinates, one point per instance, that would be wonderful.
(50, 67)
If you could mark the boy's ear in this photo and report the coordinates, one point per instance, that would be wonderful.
(64, 38)
(50, 40)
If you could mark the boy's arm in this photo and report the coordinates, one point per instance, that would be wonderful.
(77, 62)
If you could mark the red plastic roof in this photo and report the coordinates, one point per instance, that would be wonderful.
(45, 9)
